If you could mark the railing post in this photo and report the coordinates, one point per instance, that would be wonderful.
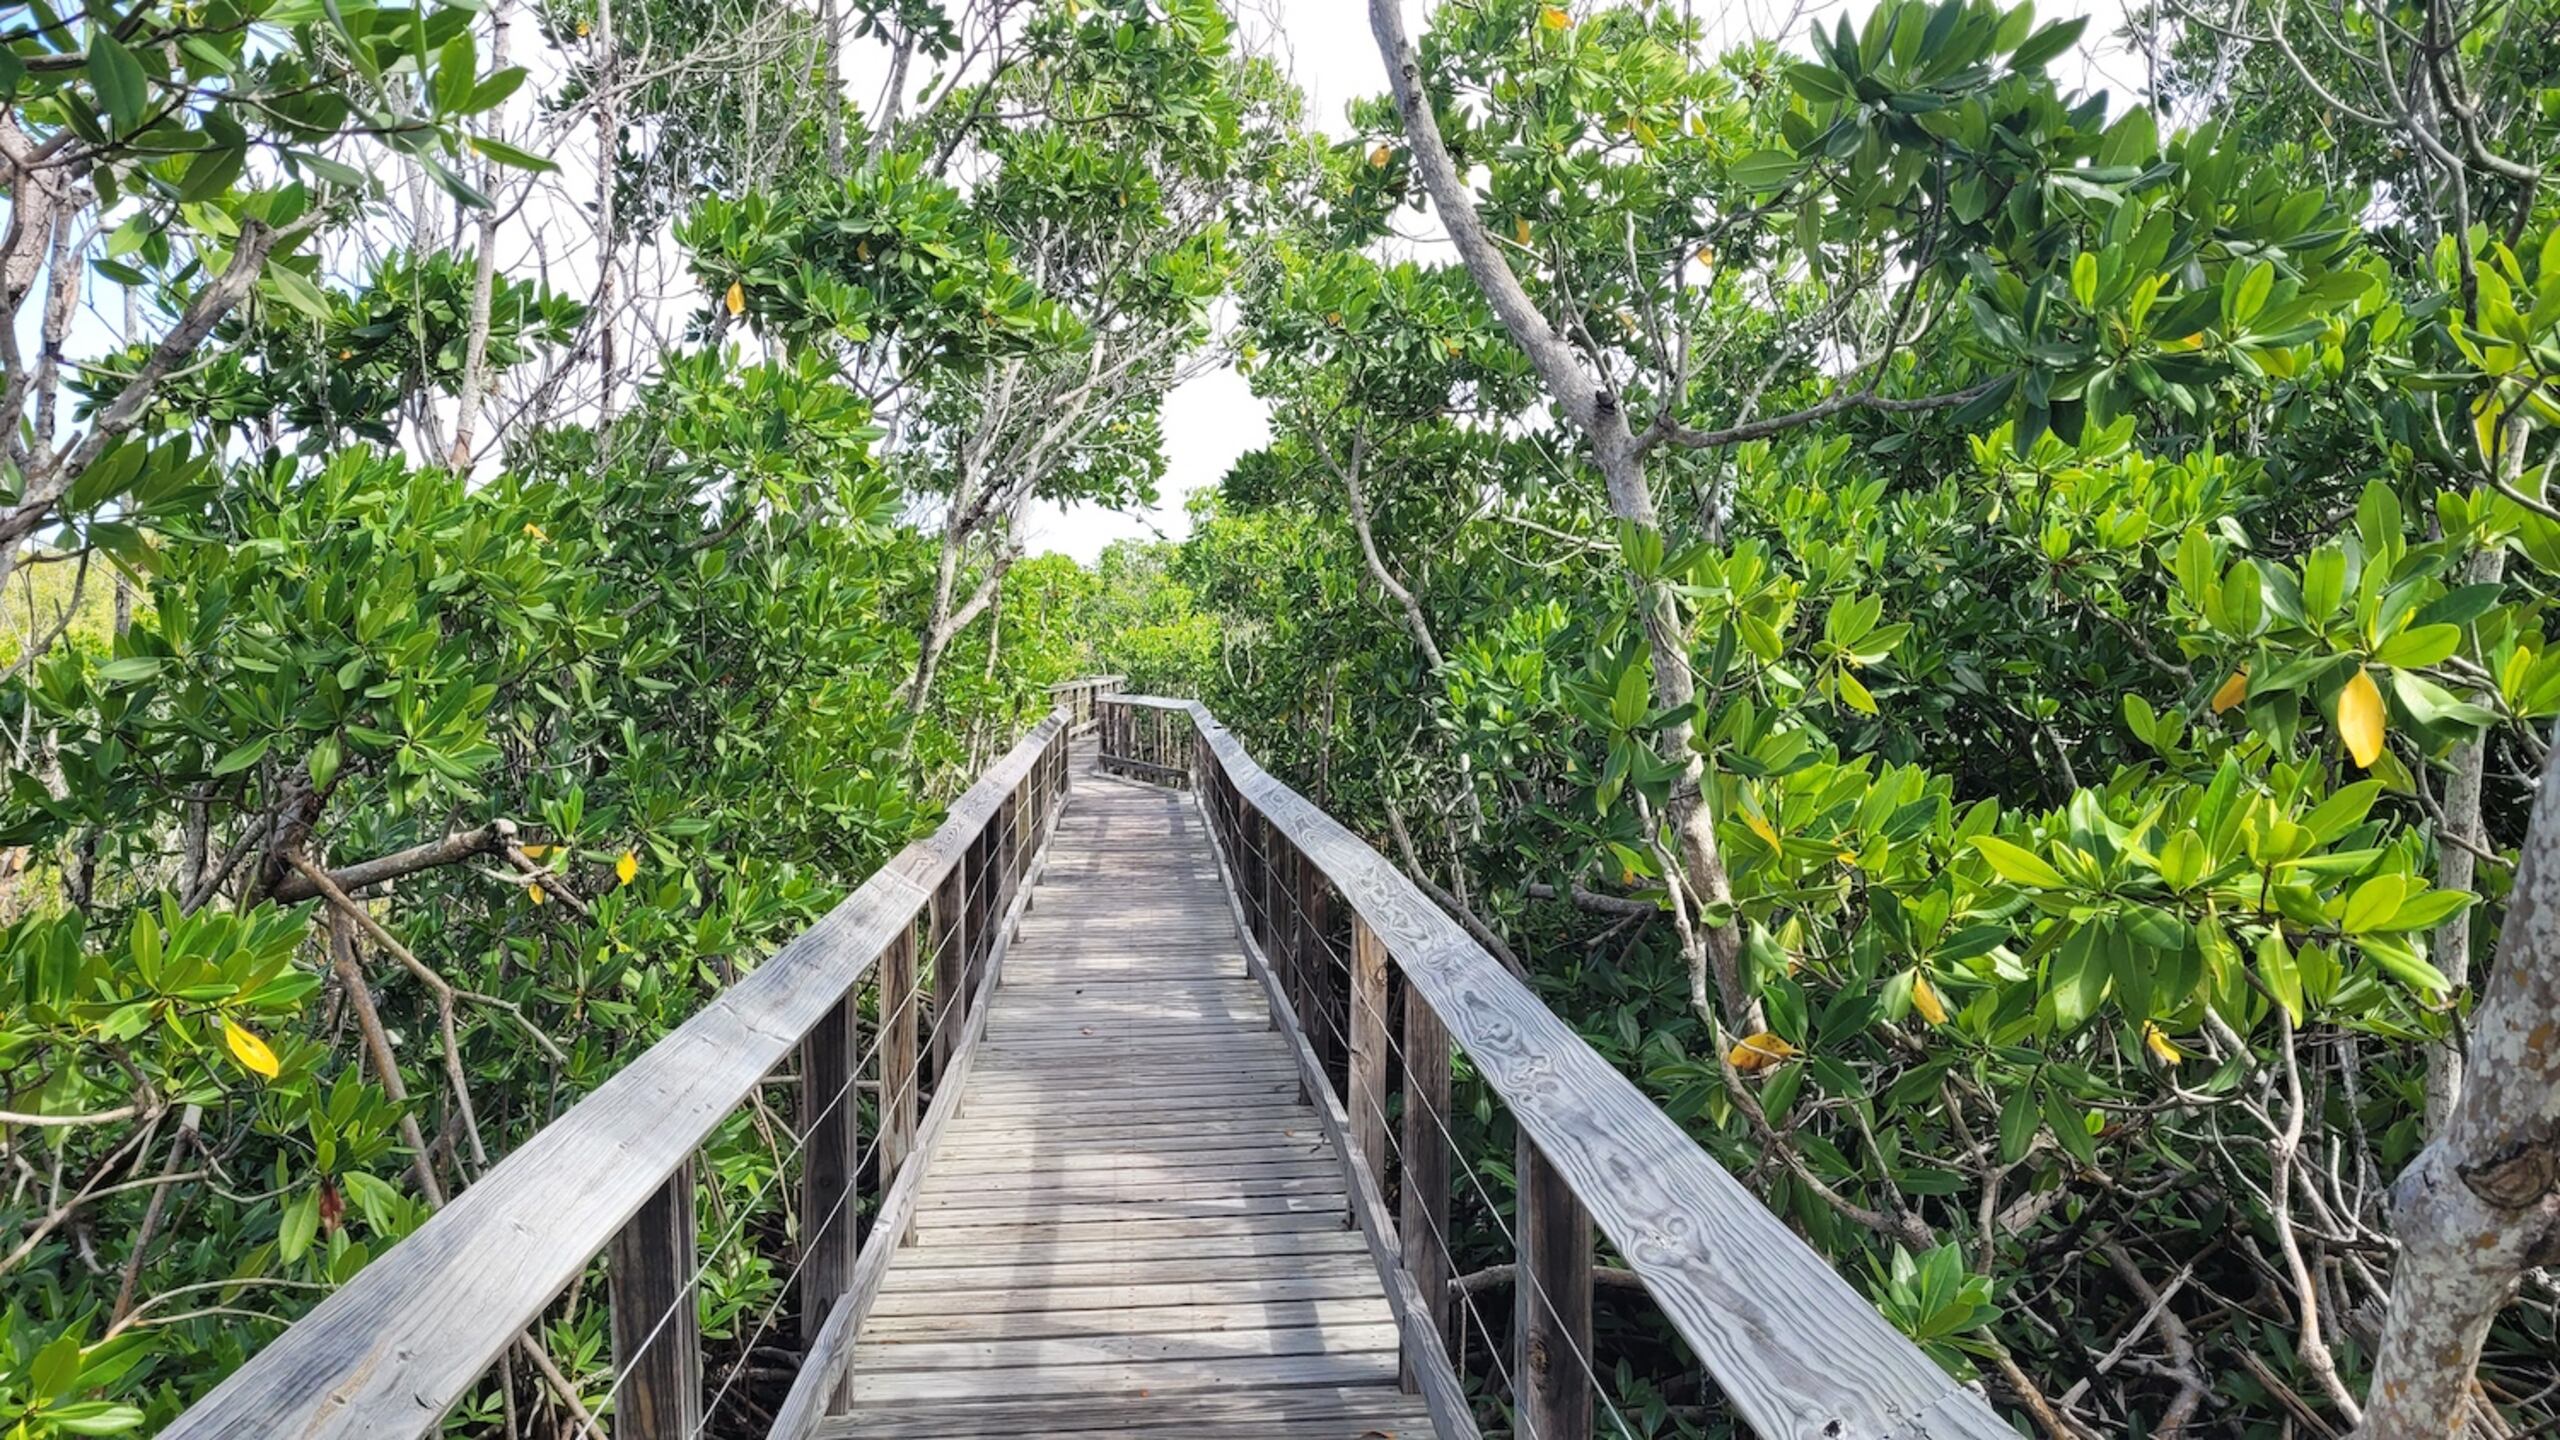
(657, 1342)
(1315, 962)
(1366, 1095)
(897, 1061)
(947, 942)
(1422, 1223)
(831, 1126)
(1551, 1302)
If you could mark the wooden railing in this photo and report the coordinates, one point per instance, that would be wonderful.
(404, 1341)
(1077, 698)
(1329, 924)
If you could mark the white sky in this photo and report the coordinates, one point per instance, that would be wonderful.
(1215, 418)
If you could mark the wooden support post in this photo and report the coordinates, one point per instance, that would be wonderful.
(1423, 1221)
(897, 1061)
(1551, 1304)
(831, 1126)
(657, 1343)
(1315, 965)
(1366, 1094)
(947, 944)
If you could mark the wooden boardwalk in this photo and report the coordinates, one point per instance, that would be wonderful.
(1132, 1227)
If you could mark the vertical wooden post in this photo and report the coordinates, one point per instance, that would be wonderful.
(1423, 1219)
(1551, 1303)
(657, 1343)
(831, 1122)
(1366, 1094)
(947, 944)
(897, 1061)
(1315, 966)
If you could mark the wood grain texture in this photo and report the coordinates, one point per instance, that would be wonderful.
(831, 1142)
(1128, 1206)
(657, 1346)
(1423, 1198)
(1550, 1304)
(1365, 1094)
(389, 1352)
(1798, 1352)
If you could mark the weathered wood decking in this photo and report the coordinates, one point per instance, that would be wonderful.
(1133, 1226)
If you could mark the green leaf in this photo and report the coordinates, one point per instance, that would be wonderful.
(2419, 646)
(243, 757)
(508, 155)
(2018, 865)
(1764, 170)
(118, 78)
(2018, 1116)
(2048, 42)
(2374, 903)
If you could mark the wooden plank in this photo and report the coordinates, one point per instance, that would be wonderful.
(911, 1274)
(1264, 1415)
(1794, 1348)
(1194, 1346)
(1131, 1378)
(1551, 1304)
(1197, 1247)
(657, 1348)
(883, 1331)
(1120, 1297)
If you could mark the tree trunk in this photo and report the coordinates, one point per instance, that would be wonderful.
(484, 276)
(2481, 1204)
(1715, 946)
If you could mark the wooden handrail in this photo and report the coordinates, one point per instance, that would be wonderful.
(1797, 1351)
(392, 1350)
(1077, 698)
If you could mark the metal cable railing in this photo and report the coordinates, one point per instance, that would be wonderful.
(1795, 1351)
(409, 1337)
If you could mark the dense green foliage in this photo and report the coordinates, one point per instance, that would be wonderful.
(2088, 580)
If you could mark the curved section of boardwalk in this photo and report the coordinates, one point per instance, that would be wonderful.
(1133, 1226)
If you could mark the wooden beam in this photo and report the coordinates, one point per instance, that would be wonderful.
(657, 1347)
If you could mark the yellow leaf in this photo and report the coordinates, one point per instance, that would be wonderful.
(1378, 158)
(1454, 347)
(1554, 17)
(249, 1050)
(537, 532)
(536, 852)
(2233, 691)
(584, 30)
(2158, 1044)
(1925, 999)
(1520, 229)
(737, 298)
(1761, 828)
(627, 867)
(1758, 1052)
(2360, 718)
(534, 893)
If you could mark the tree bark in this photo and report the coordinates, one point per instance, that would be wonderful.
(2481, 1204)
(1716, 946)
